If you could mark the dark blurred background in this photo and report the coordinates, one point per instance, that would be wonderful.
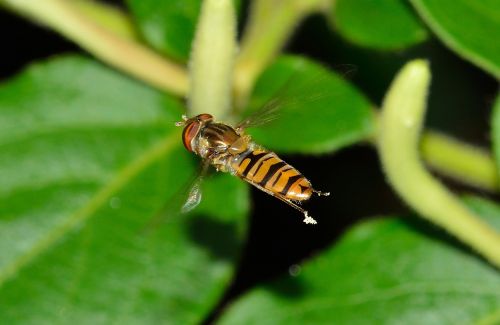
(460, 105)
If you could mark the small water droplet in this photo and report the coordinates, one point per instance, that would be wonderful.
(115, 202)
(294, 270)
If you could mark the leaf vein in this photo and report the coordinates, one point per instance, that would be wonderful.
(123, 176)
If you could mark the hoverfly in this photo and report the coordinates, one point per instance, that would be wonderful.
(230, 150)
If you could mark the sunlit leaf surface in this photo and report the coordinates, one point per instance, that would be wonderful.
(379, 24)
(169, 26)
(468, 27)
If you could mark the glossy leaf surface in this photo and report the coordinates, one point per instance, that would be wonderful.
(385, 271)
(379, 24)
(468, 27)
(88, 159)
(169, 26)
(315, 109)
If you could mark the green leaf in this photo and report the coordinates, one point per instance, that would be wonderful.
(317, 110)
(468, 27)
(169, 26)
(88, 158)
(379, 24)
(382, 272)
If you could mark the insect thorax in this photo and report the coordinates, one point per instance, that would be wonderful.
(220, 143)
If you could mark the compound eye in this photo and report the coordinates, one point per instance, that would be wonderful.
(190, 131)
(205, 117)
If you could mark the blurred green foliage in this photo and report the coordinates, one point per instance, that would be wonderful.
(466, 26)
(91, 157)
(168, 26)
(380, 24)
(370, 276)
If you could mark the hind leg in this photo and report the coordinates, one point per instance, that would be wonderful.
(319, 193)
(307, 219)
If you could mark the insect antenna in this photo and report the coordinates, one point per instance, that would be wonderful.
(183, 122)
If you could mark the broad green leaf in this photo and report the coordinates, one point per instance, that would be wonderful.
(88, 158)
(468, 27)
(495, 122)
(168, 26)
(316, 110)
(382, 272)
(379, 24)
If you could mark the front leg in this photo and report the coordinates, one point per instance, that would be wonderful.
(219, 160)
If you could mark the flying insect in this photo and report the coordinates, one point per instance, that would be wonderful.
(229, 149)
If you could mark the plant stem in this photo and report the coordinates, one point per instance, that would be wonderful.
(120, 52)
(270, 24)
(463, 162)
(110, 17)
(460, 161)
(400, 126)
(211, 61)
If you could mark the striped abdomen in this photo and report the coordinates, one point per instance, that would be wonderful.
(265, 169)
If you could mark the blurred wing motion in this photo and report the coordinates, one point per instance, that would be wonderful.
(296, 91)
(267, 113)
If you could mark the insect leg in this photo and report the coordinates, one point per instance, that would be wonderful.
(321, 193)
(307, 219)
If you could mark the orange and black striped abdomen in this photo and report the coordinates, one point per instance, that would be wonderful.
(265, 169)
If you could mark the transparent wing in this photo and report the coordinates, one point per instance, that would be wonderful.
(194, 196)
(191, 194)
(267, 113)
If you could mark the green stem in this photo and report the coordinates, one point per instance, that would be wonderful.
(211, 61)
(400, 125)
(270, 25)
(460, 161)
(110, 17)
(120, 52)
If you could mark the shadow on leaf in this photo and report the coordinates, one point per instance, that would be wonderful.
(415, 223)
(290, 288)
(218, 238)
